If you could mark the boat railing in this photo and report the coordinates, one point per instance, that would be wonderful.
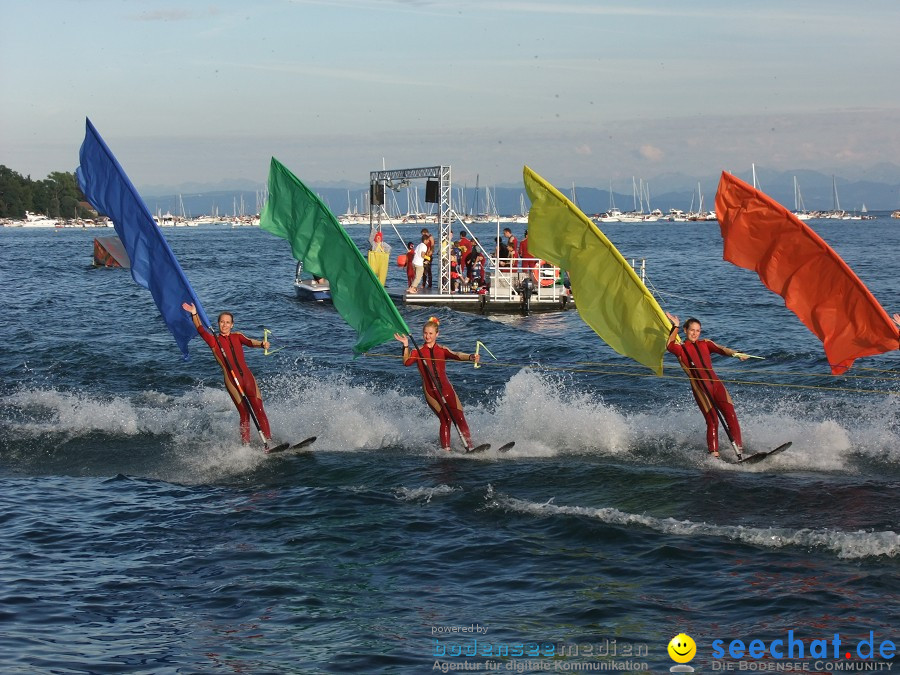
(508, 275)
(640, 268)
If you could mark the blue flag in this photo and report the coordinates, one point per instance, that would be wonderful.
(153, 265)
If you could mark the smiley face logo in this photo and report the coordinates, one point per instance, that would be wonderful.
(682, 648)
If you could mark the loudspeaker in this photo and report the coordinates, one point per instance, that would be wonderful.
(377, 194)
(432, 192)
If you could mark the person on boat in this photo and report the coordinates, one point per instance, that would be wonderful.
(228, 349)
(410, 268)
(511, 242)
(419, 264)
(377, 243)
(479, 276)
(427, 258)
(456, 269)
(431, 359)
(513, 256)
(298, 274)
(465, 246)
(501, 253)
(694, 355)
(379, 254)
(525, 255)
(469, 265)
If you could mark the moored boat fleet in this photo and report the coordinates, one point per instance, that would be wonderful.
(32, 220)
(39, 220)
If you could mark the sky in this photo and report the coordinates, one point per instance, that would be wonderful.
(591, 92)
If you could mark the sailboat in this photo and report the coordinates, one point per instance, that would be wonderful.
(865, 215)
(836, 212)
(700, 214)
(633, 216)
(652, 214)
(522, 218)
(799, 209)
(613, 214)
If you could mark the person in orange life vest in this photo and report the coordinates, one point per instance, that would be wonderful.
(431, 358)
(232, 344)
(694, 355)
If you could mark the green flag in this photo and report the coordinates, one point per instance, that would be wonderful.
(318, 240)
(608, 294)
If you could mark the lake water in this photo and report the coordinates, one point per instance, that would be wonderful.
(139, 536)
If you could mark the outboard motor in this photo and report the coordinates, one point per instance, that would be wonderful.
(526, 288)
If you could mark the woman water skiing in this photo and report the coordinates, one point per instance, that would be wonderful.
(709, 392)
(228, 348)
(431, 359)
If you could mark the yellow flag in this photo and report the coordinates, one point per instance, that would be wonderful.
(608, 294)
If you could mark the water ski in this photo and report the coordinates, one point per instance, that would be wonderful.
(760, 456)
(487, 446)
(305, 443)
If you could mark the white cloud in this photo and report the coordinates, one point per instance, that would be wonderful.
(652, 153)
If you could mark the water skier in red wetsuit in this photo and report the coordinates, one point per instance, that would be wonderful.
(695, 358)
(431, 358)
(232, 345)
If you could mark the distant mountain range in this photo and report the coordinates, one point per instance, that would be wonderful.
(878, 188)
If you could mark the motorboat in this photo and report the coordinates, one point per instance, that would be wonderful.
(313, 288)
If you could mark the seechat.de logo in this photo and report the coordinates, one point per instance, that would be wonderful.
(682, 649)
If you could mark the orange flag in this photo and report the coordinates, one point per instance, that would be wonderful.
(793, 261)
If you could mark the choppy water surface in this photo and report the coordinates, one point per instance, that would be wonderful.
(138, 535)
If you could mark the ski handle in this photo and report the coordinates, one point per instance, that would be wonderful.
(437, 387)
(267, 351)
(237, 383)
(478, 345)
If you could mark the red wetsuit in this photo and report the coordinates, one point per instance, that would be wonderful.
(705, 384)
(233, 346)
(435, 360)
